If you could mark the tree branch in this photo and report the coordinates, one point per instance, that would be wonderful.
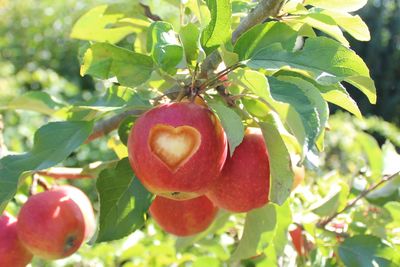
(148, 13)
(351, 204)
(65, 173)
(104, 127)
(264, 9)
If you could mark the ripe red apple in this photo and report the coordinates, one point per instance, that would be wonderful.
(297, 239)
(244, 181)
(12, 252)
(183, 217)
(54, 224)
(177, 150)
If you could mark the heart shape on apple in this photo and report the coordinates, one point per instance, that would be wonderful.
(174, 145)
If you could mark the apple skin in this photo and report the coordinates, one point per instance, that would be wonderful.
(245, 179)
(183, 217)
(168, 128)
(54, 224)
(12, 252)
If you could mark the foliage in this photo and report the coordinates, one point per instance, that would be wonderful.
(278, 80)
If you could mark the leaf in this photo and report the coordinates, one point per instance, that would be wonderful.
(300, 100)
(123, 202)
(354, 25)
(218, 31)
(325, 60)
(35, 101)
(338, 5)
(53, 142)
(374, 154)
(189, 35)
(262, 35)
(366, 250)
(231, 122)
(258, 222)
(106, 23)
(164, 46)
(333, 201)
(104, 61)
(323, 23)
(281, 171)
(125, 128)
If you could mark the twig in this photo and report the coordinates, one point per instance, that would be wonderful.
(264, 9)
(37, 180)
(148, 13)
(66, 173)
(104, 127)
(349, 205)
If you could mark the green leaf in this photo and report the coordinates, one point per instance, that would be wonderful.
(366, 250)
(323, 23)
(333, 201)
(303, 100)
(231, 122)
(52, 144)
(104, 61)
(123, 202)
(323, 59)
(374, 154)
(164, 46)
(218, 31)
(258, 222)
(35, 101)
(354, 25)
(125, 127)
(281, 172)
(262, 35)
(394, 210)
(189, 35)
(339, 5)
(108, 23)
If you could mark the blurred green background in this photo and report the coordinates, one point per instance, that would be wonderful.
(36, 54)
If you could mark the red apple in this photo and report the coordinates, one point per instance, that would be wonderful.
(297, 239)
(54, 224)
(12, 252)
(244, 181)
(299, 174)
(184, 217)
(177, 150)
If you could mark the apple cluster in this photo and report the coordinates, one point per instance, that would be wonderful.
(179, 152)
(51, 225)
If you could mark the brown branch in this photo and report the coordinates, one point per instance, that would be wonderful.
(148, 13)
(351, 204)
(65, 173)
(104, 127)
(264, 9)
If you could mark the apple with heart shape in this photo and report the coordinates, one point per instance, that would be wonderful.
(183, 217)
(12, 252)
(54, 224)
(245, 179)
(177, 150)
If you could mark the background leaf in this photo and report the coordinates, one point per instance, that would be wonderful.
(340, 5)
(104, 61)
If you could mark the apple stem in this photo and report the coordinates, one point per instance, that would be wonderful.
(37, 180)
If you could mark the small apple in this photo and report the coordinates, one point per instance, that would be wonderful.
(177, 150)
(245, 179)
(299, 174)
(183, 217)
(12, 252)
(297, 239)
(54, 224)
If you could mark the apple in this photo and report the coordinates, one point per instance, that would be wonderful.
(245, 179)
(297, 239)
(177, 150)
(299, 174)
(12, 252)
(183, 217)
(54, 224)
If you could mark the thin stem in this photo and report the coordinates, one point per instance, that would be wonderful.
(351, 204)
(65, 173)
